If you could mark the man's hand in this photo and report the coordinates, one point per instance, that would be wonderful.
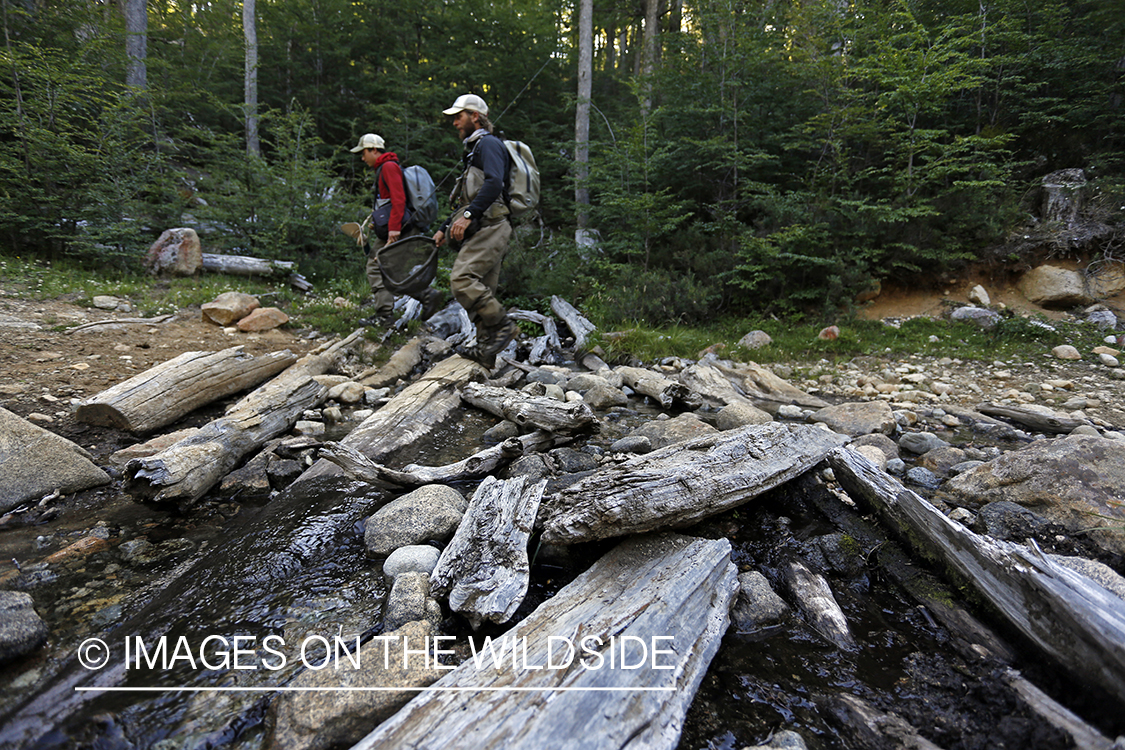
(439, 238)
(392, 237)
(458, 228)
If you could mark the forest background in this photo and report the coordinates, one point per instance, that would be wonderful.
(766, 156)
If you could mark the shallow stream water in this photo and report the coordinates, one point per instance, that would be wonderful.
(296, 569)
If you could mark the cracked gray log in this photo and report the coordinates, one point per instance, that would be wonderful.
(542, 412)
(713, 385)
(398, 367)
(183, 472)
(578, 325)
(359, 466)
(550, 330)
(416, 411)
(664, 391)
(244, 265)
(683, 483)
(870, 728)
(816, 602)
(1057, 425)
(1070, 617)
(160, 395)
(484, 570)
(645, 589)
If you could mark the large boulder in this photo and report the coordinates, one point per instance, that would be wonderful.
(428, 513)
(229, 307)
(1054, 287)
(177, 252)
(1075, 481)
(35, 462)
(21, 629)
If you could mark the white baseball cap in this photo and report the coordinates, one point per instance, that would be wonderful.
(369, 141)
(470, 102)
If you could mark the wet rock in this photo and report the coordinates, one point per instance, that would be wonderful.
(758, 605)
(570, 461)
(500, 432)
(1064, 479)
(632, 444)
(21, 629)
(921, 442)
(857, 418)
(141, 551)
(942, 460)
(841, 554)
(35, 462)
(410, 600)
(317, 720)
(733, 416)
(432, 512)
(878, 440)
(664, 432)
(415, 558)
(229, 307)
(1008, 521)
(282, 472)
(534, 467)
(786, 739)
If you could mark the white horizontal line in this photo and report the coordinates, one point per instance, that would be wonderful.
(182, 689)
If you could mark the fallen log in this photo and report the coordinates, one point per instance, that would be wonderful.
(578, 325)
(484, 571)
(816, 602)
(761, 386)
(186, 470)
(160, 395)
(358, 466)
(398, 367)
(550, 330)
(1057, 425)
(1084, 736)
(712, 385)
(122, 321)
(664, 391)
(244, 265)
(541, 412)
(667, 595)
(413, 413)
(1069, 617)
(870, 728)
(683, 483)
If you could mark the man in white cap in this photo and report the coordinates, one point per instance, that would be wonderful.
(391, 223)
(480, 228)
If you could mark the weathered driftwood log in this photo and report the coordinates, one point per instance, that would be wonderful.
(487, 461)
(162, 394)
(121, 321)
(485, 571)
(816, 602)
(870, 728)
(398, 367)
(578, 325)
(243, 265)
(712, 385)
(1084, 736)
(664, 391)
(185, 471)
(1071, 618)
(683, 483)
(413, 413)
(550, 330)
(1033, 419)
(767, 390)
(999, 428)
(542, 412)
(656, 603)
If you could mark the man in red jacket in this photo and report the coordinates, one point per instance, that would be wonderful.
(388, 192)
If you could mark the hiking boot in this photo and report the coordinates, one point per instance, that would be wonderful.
(432, 303)
(491, 340)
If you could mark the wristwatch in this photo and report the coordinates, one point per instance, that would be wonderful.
(468, 215)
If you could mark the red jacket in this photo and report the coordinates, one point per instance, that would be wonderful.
(390, 186)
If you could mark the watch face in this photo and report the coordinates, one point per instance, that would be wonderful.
(468, 215)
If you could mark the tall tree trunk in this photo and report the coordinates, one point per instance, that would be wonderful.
(582, 111)
(652, 16)
(136, 43)
(250, 30)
